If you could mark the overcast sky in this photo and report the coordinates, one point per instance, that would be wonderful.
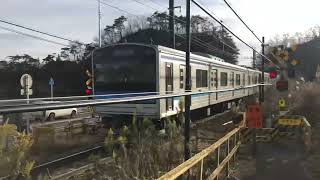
(77, 19)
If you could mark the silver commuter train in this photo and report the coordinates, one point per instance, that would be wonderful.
(130, 68)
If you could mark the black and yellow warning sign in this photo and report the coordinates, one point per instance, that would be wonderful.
(289, 122)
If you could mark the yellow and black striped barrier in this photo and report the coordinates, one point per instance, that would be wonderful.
(285, 127)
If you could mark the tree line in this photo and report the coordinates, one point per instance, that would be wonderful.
(68, 66)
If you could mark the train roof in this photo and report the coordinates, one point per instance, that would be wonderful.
(210, 60)
(205, 59)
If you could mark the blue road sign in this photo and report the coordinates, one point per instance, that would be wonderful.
(51, 82)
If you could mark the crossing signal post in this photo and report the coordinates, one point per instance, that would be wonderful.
(282, 84)
(88, 90)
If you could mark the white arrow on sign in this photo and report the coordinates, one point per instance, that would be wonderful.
(51, 83)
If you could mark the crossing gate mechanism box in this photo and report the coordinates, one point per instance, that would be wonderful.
(254, 116)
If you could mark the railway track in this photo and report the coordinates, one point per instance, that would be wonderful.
(64, 167)
(66, 162)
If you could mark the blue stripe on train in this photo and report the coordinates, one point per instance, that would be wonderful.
(124, 94)
(194, 96)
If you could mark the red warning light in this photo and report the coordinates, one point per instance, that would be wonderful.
(273, 74)
(88, 91)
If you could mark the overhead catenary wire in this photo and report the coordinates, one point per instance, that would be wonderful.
(33, 36)
(228, 29)
(185, 23)
(160, 5)
(115, 7)
(38, 31)
(208, 46)
(197, 41)
(242, 21)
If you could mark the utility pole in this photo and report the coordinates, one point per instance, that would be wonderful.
(254, 59)
(171, 24)
(188, 86)
(262, 71)
(99, 19)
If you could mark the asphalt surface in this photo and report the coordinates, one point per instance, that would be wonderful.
(279, 161)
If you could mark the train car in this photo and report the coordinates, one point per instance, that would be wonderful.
(130, 69)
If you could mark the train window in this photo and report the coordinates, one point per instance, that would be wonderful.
(201, 78)
(181, 77)
(238, 79)
(249, 80)
(223, 79)
(123, 68)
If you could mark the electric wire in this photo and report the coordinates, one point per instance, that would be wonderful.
(38, 31)
(33, 36)
(197, 41)
(114, 7)
(186, 23)
(242, 21)
(228, 29)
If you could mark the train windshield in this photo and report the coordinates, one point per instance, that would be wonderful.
(125, 69)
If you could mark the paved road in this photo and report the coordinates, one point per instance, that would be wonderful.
(279, 161)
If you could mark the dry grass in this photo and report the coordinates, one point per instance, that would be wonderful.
(140, 152)
(306, 102)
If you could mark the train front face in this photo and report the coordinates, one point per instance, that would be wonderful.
(126, 70)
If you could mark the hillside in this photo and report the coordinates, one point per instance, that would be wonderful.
(308, 54)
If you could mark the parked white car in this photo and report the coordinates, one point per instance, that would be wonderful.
(54, 113)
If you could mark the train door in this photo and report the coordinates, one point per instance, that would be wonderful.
(244, 83)
(169, 85)
(182, 77)
(232, 82)
(214, 81)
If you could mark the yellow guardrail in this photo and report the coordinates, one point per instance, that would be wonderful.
(217, 147)
(236, 133)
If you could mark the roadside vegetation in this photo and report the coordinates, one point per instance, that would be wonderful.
(14, 153)
(139, 152)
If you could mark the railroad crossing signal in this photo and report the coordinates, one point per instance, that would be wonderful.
(88, 90)
(272, 74)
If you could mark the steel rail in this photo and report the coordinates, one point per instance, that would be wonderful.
(67, 157)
